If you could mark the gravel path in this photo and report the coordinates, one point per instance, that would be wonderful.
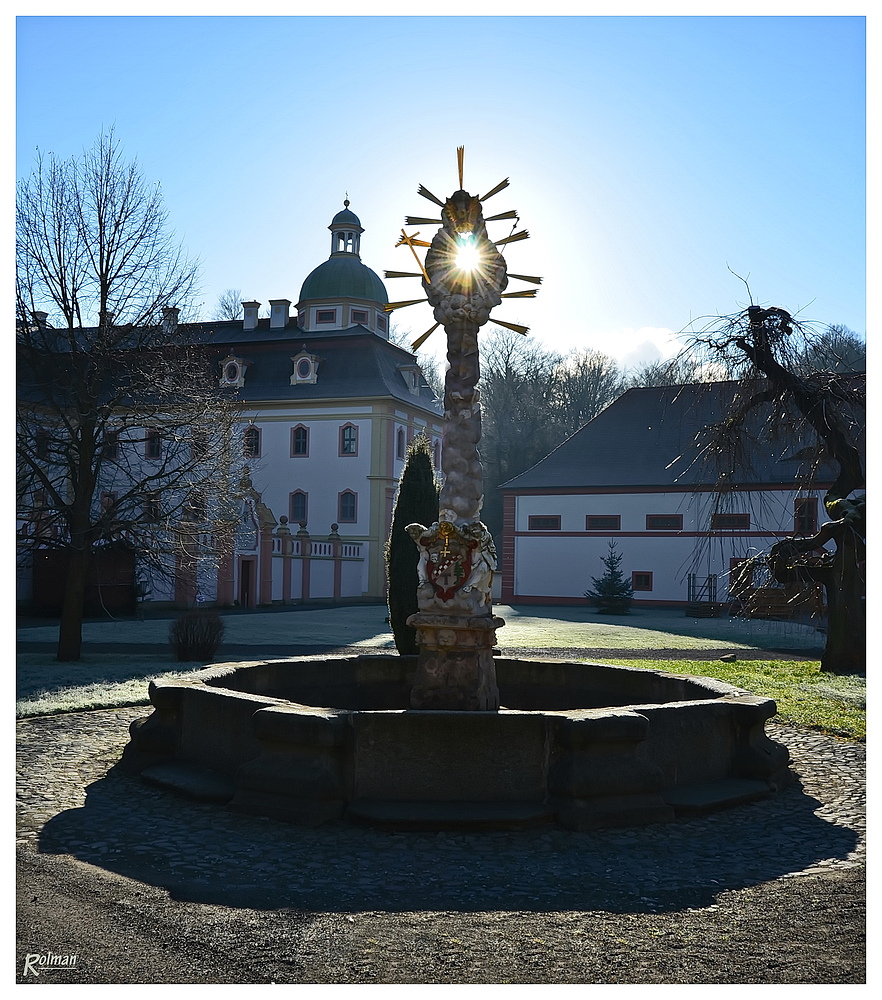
(147, 887)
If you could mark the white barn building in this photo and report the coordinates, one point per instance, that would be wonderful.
(635, 475)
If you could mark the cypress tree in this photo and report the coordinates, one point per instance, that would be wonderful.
(417, 501)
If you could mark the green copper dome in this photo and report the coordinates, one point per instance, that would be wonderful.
(346, 218)
(343, 276)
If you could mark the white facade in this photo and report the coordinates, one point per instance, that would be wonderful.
(556, 564)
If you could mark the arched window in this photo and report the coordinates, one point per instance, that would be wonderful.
(298, 507)
(347, 506)
(400, 443)
(349, 439)
(299, 441)
(251, 442)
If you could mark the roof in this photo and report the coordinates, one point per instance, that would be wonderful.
(343, 276)
(354, 363)
(345, 218)
(652, 438)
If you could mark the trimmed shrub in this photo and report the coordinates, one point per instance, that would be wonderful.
(196, 635)
(416, 502)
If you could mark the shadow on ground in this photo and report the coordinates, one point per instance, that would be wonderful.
(203, 853)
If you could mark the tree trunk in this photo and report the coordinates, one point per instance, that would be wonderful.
(846, 649)
(70, 631)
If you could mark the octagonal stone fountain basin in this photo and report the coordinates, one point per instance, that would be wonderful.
(583, 745)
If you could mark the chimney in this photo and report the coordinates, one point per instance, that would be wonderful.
(250, 321)
(279, 313)
(170, 319)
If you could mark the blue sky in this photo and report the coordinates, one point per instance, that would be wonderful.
(648, 156)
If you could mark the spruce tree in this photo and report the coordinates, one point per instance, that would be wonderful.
(417, 501)
(612, 593)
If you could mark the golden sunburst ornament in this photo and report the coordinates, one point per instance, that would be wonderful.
(469, 254)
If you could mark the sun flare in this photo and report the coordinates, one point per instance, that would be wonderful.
(468, 256)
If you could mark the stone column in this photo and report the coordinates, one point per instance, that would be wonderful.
(455, 624)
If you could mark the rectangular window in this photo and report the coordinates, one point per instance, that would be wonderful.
(730, 522)
(298, 507)
(153, 445)
(349, 440)
(347, 506)
(299, 441)
(381, 323)
(198, 444)
(805, 516)
(110, 451)
(544, 522)
(664, 522)
(359, 316)
(194, 509)
(151, 511)
(251, 442)
(641, 581)
(603, 522)
(326, 315)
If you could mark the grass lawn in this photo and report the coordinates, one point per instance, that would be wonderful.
(826, 702)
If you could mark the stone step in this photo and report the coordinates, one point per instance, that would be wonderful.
(190, 780)
(450, 815)
(692, 800)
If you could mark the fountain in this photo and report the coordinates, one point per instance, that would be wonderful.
(457, 737)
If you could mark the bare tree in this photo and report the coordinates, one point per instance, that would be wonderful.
(229, 305)
(588, 381)
(532, 399)
(122, 437)
(783, 390)
(428, 364)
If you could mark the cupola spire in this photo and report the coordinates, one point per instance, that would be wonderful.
(346, 231)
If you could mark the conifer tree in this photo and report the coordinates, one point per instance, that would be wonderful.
(612, 593)
(417, 501)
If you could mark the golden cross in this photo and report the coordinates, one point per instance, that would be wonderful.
(412, 241)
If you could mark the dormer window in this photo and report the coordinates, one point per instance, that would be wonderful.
(305, 368)
(233, 372)
(412, 376)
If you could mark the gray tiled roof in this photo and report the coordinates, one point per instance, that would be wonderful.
(355, 363)
(652, 438)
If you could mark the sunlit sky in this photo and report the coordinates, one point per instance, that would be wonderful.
(655, 161)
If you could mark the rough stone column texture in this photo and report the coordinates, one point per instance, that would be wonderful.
(456, 635)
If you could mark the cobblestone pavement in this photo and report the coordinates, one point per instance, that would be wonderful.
(73, 801)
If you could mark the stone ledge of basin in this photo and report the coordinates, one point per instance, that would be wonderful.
(751, 709)
(172, 694)
(301, 724)
(576, 729)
